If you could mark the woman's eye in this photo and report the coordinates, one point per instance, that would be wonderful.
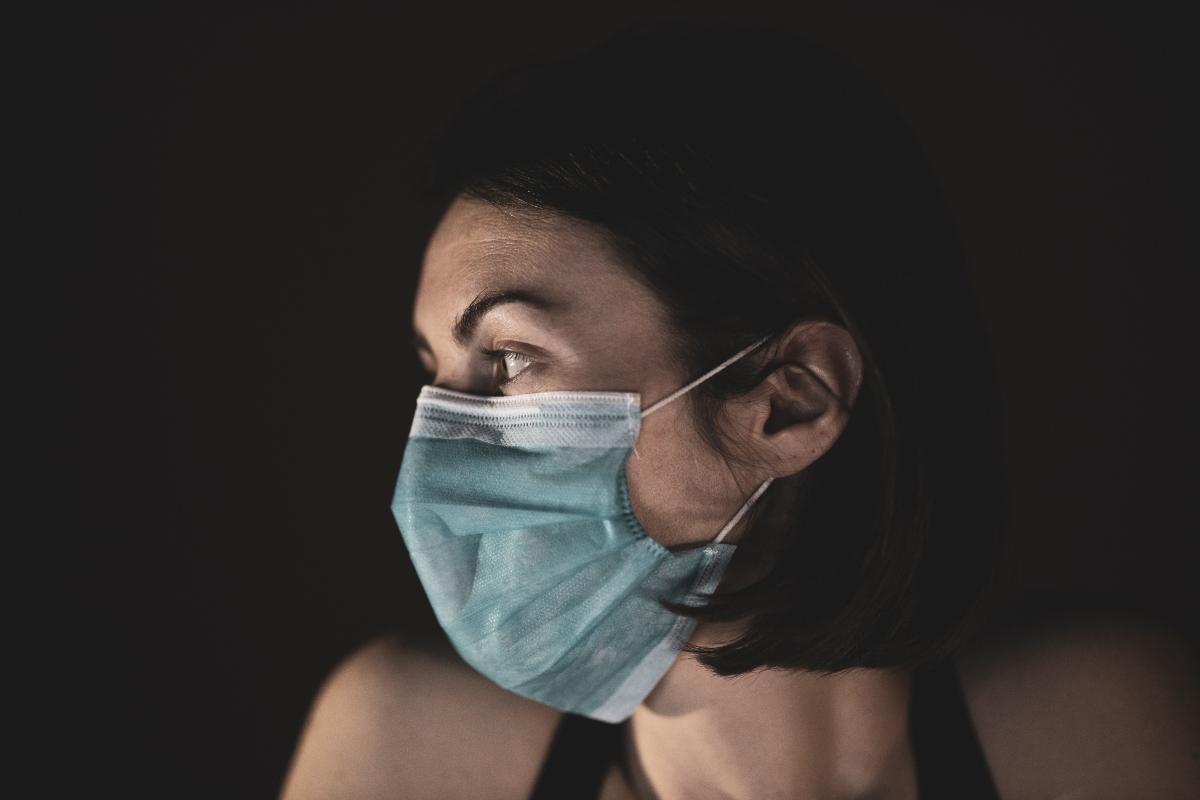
(512, 364)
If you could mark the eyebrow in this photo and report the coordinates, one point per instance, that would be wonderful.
(468, 320)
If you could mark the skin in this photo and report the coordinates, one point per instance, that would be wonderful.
(1099, 708)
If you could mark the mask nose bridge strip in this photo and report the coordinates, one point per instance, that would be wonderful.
(681, 390)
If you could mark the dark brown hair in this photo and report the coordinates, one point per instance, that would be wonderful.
(752, 180)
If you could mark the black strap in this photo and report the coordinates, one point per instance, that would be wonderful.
(950, 760)
(580, 755)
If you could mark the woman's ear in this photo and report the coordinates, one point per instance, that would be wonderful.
(797, 412)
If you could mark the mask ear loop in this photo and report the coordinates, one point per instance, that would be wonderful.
(659, 404)
(742, 511)
(685, 388)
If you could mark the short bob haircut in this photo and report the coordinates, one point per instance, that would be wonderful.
(753, 180)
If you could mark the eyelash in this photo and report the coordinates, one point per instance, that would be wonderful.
(500, 354)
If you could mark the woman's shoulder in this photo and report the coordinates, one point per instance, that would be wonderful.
(1091, 706)
(399, 718)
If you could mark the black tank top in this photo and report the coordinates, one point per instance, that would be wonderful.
(949, 759)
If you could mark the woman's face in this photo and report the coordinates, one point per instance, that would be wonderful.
(563, 313)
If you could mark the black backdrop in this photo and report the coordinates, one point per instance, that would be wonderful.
(209, 246)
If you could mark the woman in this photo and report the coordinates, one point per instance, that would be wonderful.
(690, 294)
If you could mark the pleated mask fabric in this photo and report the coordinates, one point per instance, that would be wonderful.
(515, 511)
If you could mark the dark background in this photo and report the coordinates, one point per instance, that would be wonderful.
(210, 241)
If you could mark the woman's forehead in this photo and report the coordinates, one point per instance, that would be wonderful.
(479, 248)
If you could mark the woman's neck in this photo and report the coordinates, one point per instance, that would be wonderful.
(773, 733)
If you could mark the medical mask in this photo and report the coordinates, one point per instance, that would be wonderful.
(516, 513)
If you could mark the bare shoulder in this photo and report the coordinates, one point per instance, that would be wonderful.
(1092, 707)
(395, 719)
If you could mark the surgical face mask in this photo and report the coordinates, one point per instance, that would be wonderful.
(516, 513)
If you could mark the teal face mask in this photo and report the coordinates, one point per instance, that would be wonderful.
(516, 513)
